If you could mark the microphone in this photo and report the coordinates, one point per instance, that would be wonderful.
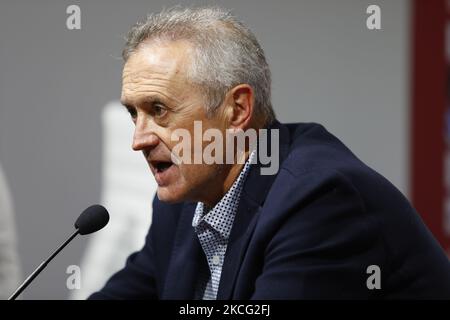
(90, 220)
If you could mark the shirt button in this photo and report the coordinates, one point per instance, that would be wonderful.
(216, 260)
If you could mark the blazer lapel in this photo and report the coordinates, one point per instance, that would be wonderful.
(185, 261)
(252, 198)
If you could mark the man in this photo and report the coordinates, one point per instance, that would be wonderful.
(223, 230)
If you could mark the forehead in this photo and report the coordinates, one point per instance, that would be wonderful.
(156, 64)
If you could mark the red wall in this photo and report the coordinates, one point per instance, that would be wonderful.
(429, 103)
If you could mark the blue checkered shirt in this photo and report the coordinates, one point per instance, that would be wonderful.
(213, 230)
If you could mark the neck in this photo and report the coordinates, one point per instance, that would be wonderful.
(231, 175)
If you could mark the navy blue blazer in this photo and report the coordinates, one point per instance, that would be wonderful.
(309, 232)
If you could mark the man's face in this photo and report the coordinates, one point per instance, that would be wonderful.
(160, 99)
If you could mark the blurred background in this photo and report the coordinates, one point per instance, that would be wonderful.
(66, 144)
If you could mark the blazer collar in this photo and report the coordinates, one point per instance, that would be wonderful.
(257, 185)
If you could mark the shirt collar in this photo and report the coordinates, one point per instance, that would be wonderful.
(227, 206)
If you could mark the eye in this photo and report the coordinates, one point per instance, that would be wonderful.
(159, 110)
(132, 112)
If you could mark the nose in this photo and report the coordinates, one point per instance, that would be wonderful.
(144, 137)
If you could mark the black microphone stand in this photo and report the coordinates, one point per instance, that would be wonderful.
(41, 267)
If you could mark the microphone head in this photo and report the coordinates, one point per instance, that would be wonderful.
(92, 219)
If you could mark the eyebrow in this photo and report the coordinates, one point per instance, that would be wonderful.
(148, 99)
(126, 105)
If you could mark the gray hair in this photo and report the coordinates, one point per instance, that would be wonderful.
(226, 53)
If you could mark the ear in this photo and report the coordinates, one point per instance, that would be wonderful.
(240, 106)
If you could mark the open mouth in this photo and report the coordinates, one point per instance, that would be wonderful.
(161, 166)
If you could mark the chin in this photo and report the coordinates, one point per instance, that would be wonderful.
(167, 195)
